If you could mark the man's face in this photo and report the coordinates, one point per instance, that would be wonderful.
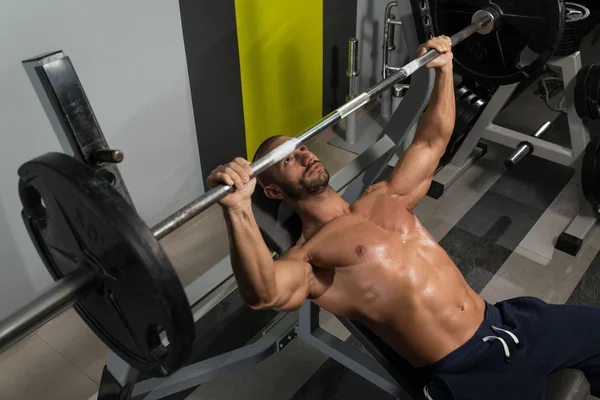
(300, 175)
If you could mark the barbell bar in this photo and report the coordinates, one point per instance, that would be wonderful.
(217, 193)
(77, 285)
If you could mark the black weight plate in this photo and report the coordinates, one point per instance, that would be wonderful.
(464, 121)
(566, 52)
(496, 58)
(570, 36)
(461, 108)
(576, 13)
(581, 93)
(568, 43)
(573, 27)
(459, 126)
(77, 219)
(593, 91)
(566, 46)
(578, 30)
(592, 81)
(590, 172)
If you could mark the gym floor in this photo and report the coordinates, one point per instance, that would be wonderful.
(499, 227)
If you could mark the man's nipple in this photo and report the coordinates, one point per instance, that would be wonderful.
(360, 251)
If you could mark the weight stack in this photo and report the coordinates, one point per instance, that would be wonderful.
(576, 27)
(587, 92)
(469, 107)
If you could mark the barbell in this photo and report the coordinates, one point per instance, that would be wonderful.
(110, 266)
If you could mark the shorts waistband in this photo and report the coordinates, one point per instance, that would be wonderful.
(492, 318)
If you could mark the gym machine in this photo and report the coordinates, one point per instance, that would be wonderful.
(471, 147)
(571, 240)
(110, 267)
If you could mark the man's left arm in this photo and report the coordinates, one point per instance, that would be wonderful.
(412, 175)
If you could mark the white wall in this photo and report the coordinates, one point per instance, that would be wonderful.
(130, 58)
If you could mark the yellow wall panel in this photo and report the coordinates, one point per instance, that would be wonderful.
(281, 62)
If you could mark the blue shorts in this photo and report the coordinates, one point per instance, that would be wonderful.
(520, 342)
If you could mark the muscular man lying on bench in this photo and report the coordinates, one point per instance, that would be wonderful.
(374, 263)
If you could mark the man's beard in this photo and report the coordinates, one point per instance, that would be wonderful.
(305, 187)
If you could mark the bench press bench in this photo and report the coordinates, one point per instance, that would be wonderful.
(281, 228)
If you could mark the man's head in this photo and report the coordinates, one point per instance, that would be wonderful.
(297, 177)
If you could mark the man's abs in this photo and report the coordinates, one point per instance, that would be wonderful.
(393, 277)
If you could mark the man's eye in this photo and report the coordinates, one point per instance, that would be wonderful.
(287, 160)
(303, 148)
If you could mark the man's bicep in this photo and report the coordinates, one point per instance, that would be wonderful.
(414, 170)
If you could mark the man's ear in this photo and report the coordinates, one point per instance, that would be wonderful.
(274, 192)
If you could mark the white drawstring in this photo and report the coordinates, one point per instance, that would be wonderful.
(487, 339)
(504, 345)
(506, 351)
(512, 335)
(426, 392)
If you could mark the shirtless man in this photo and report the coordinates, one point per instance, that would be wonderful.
(374, 263)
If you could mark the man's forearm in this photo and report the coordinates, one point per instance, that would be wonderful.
(437, 122)
(251, 260)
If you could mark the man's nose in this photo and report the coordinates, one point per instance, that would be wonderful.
(306, 159)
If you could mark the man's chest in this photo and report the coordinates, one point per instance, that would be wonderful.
(364, 236)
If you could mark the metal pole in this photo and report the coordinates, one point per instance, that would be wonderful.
(194, 208)
(388, 47)
(526, 148)
(352, 74)
(53, 301)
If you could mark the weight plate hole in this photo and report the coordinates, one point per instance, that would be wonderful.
(427, 21)
(431, 36)
(108, 176)
(423, 4)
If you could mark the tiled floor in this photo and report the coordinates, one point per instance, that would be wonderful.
(64, 360)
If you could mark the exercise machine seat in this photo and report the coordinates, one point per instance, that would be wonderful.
(281, 228)
(568, 384)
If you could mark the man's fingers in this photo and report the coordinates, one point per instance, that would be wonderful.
(223, 177)
(237, 174)
(241, 171)
(439, 45)
(442, 44)
(237, 181)
(241, 161)
(248, 170)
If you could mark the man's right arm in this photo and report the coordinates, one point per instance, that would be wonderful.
(282, 285)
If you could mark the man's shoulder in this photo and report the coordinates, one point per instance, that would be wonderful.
(376, 188)
(370, 195)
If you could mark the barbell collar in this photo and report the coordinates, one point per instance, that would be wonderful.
(56, 299)
(352, 69)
